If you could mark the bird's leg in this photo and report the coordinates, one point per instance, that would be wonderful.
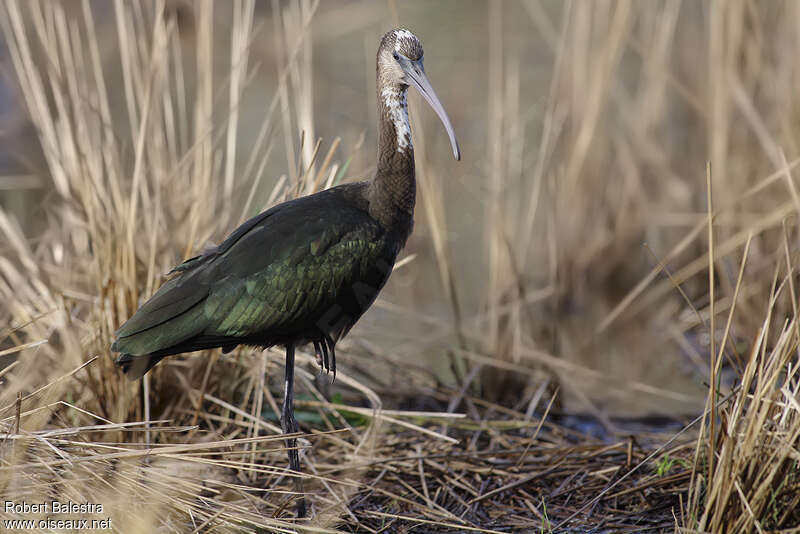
(318, 354)
(327, 366)
(331, 347)
(289, 426)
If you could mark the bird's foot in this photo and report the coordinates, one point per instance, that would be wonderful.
(322, 354)
(318, 355)
(302, 513)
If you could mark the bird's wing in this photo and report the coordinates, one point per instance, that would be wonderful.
(292, 268)
(269, 276)
(185, 291)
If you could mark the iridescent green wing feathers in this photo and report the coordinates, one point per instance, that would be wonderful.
(301, 280)
(274, 274)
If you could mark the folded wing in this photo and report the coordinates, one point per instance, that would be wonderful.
(304, 268)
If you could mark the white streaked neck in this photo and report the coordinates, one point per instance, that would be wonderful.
(395, 100)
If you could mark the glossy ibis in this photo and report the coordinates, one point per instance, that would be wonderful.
(303, 271)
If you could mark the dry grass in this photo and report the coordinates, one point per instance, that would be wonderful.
(590, 138)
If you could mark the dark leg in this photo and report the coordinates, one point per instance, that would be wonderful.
(289, 425)
(323, 383)
(318, 354)
(332, 348)
(327, 366)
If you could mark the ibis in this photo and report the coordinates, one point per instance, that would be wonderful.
(304, 271)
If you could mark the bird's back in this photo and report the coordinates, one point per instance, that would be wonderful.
(303, 270)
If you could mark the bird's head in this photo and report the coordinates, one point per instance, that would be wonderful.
(400, 64)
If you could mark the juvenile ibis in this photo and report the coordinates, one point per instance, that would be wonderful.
(305, 270)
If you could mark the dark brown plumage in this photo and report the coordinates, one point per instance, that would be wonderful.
(303, 271)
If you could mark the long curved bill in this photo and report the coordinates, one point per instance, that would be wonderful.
(416, 75)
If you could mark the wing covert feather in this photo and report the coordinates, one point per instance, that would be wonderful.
(271, 279)
(174, 297)
(286, 294)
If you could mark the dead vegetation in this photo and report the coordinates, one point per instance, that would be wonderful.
(141, 134)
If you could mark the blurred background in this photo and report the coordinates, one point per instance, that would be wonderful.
(566, 251)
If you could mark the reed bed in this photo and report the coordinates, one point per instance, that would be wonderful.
(150, 147)
(502, 473)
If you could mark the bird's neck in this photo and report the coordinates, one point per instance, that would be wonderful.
(394, 187)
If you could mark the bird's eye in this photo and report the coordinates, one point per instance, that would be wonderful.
(396, 56)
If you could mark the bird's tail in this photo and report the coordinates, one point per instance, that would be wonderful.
(141, 350)
(135, 367)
